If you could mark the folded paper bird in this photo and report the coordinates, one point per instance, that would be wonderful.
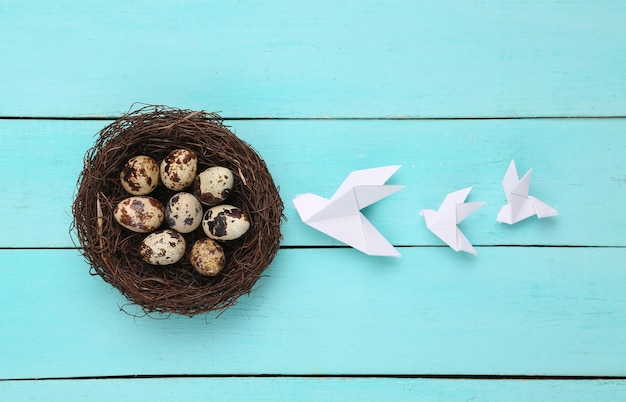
(521, 205)
(340, 216)
(444, 221)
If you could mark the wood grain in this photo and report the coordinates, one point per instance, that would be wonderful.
(513, 311)
(312, 389)
(479, 58)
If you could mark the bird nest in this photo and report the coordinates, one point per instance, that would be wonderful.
(113, 251)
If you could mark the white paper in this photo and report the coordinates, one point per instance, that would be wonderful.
(340, 216)
(444, 221)
(520, 205)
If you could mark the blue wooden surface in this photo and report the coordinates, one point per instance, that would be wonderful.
(315, 58)
(313, 390)
(511, 311)
(450, 90)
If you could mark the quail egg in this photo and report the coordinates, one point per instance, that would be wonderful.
(163, 248)
(207, 257)
(178, 169)
(213, 185)
(140, 214)
(225, 222)
(183, 212)
(140, 175)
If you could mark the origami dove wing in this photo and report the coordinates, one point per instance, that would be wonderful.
(520, 205)
(340, 216)
(443, 222)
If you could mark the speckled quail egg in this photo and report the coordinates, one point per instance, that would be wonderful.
(225, 222)
(213, 185)
(183, 212)
(140, 175)
(207, 257)
(163, 248)
(140, 214)
(178, 169)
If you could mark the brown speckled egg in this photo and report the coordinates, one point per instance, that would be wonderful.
(213, 185)
(207, 257)
(183, 212)
(225, 222)
(140, 214)
(178, 169)
(140, 175)
(163, 248)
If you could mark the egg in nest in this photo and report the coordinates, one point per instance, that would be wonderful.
(140, 175)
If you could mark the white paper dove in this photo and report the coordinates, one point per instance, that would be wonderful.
(521, 205)
(444, 221)
(340, 216)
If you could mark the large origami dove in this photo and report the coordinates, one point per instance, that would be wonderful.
(340, 216)
(452, 211)
(521, 205)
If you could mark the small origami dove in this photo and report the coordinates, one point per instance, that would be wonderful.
(521, 205)
(340, 217)
(452, 211)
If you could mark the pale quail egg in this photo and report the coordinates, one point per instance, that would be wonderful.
(183, 212)
(225, 222)
(163, 248)
(140, 214)
(140, 175)
(178, 169)
(207, 257)
(213, 185)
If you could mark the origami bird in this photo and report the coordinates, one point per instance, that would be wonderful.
(444, 221)
(340, 216)
(521, 205)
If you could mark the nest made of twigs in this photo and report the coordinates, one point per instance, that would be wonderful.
(113, 251)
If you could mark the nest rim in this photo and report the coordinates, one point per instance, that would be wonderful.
(112, 251)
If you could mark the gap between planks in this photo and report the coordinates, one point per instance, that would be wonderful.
(396, 246)
(339, 118)
(373, 376)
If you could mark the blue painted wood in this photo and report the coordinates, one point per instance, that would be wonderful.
(578, 164)
(312, 389)
(314, 58)
(513, 311)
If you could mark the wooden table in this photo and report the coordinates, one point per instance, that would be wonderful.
(450, 90)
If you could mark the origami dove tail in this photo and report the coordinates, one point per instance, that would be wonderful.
(463, 244)
(542, 209)
(375, 243)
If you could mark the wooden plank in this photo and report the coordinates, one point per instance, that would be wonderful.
(513, 311)
(578, 164)
(315, 58)
(312, 389)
